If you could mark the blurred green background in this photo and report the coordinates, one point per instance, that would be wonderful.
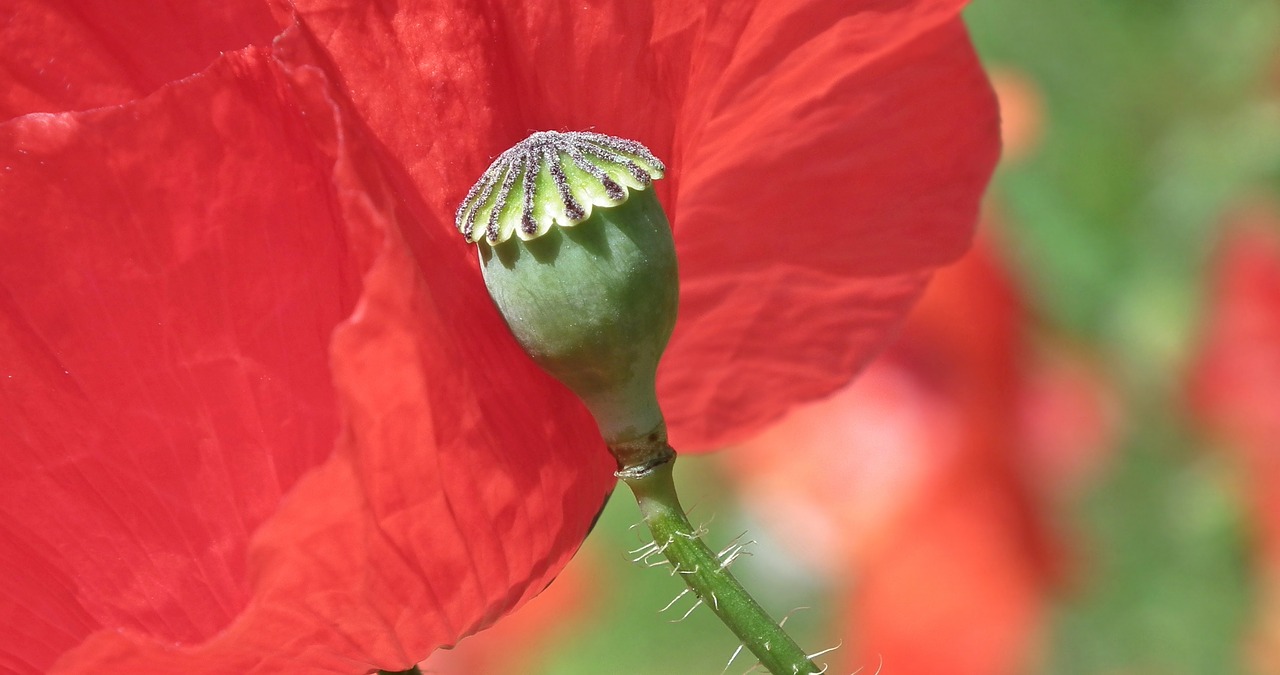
(1154, 117)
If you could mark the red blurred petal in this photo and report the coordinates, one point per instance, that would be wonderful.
(1235, 390)
(1069, 419)
(917, 475)
(63, 55)
(835, 474)
(1237, 381)
(974, 554)
(954, 593)
(169, 366)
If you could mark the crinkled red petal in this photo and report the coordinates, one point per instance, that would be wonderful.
(194, 254)
(176, 327)
(825, 157)
(838, 158)
(64, 55)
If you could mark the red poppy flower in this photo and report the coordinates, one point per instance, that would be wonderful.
(915, 486)
(259, 413)
(1236, 389)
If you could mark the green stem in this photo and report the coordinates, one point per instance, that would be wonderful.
(708, 576)
(412, 671)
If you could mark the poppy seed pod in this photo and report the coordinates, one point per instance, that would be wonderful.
(577, 255)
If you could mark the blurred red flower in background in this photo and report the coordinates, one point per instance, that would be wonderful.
(1235, 390)
(924, 487)
(260, 414)
(921, 487)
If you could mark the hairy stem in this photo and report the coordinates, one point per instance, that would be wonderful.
(708, 575)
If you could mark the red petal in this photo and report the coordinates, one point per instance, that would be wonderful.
(166, 320)
(445, 87)
(1236, 386)
(838, 157)
(888, 107)
(437, 91)
(62, 55)
(167, 329)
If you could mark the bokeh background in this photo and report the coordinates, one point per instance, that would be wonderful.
(1070, 461)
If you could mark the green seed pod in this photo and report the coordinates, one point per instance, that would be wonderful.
(588, 281)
